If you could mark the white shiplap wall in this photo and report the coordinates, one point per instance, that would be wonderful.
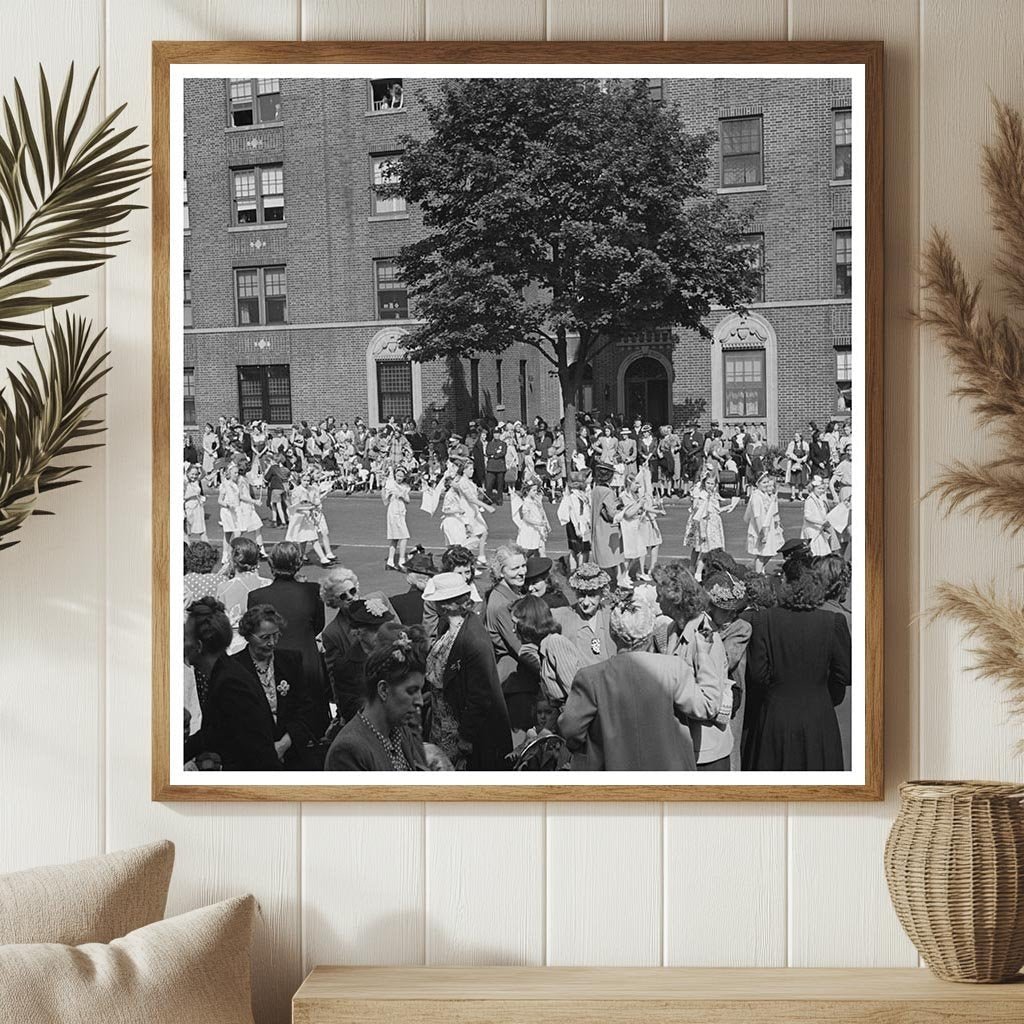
(563, 884)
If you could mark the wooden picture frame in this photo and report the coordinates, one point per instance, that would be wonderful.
(866, 55)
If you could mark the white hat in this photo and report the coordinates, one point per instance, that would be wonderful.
(445, 586)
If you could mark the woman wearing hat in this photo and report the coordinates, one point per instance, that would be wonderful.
(418, 570)
(816, 526)
(538, 582)
(586, 622)
(469, 720)
(764, 527)
(383, 736)
(629, 713)
(366, 619)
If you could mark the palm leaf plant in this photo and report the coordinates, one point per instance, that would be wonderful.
(986, 350)
(63, 189)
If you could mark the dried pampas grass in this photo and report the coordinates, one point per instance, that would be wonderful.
(987, 353)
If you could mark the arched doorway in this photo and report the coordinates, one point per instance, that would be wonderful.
(646, 391)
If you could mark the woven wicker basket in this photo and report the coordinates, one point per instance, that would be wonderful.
(954, 861)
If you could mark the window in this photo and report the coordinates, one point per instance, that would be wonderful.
(259, 194)
(187, 311)
(184, 199)
(844, 380)
(754, 244)
(262, 295)
(843, 144)
(656, 89)
(744, 383)
(265, 393)
(474, 387)
(844, 264)
(741, 151)
(522, 390)
(394, 390)
(387, 94)
(189, 387)
(254, 101)
(392, 298)
(498, 397)
(383, 172)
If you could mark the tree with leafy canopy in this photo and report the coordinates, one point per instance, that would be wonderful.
(560, 210)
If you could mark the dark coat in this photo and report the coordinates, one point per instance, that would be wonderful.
(296, 712)
(300, 605)
(409, 607)
(476, 453)
(237, 723)
(337, 640)
(798, 663)
(496, 450)
(472, 689)
(348, 682)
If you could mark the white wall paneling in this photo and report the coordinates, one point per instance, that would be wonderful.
(604, 884)
(478, 883)
(967, 49)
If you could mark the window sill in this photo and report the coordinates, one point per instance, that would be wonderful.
(275, 226)
(232, 128)
(731, 189)
(260, 327)
(385, 113)
(187, 232)
(839, 182)
(375, 218)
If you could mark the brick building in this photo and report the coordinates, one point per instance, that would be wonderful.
(293, 309)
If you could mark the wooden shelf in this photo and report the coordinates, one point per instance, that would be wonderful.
(617, 995)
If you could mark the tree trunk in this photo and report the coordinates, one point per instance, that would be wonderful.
(569, 381)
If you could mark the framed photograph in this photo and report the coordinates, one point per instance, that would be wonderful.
(530, 404)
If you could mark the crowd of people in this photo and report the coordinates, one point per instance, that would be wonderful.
(604, 660)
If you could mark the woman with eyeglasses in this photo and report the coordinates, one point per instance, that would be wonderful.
(283, 683)
(338, 589)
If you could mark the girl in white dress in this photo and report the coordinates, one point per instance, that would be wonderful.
(303, 513)
(195, 516)
(633, 547)
(247, 519)
(531, 519)
(453, 511)
(395, 496)
(227, 499)
(320, 485)
(764, 527)
(476, 526)
(705, 530)
(816, 527)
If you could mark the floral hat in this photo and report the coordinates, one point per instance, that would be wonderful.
(726, 591)
(374, 611)
(589, 578)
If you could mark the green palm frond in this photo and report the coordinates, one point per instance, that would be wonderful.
(44, 419)
(61, 193)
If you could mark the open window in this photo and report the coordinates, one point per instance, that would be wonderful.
(386, 94)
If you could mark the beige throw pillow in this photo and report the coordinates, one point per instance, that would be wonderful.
(190, 969)
(93, 900)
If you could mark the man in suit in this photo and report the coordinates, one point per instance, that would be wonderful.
(299, 604)
(495, 467)
(409, 606)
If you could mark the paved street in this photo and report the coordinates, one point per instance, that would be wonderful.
(358, 532)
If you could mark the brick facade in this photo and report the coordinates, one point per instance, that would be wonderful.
(330, 236)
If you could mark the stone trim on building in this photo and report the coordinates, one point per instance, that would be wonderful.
(749, 331)
(387, 345)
